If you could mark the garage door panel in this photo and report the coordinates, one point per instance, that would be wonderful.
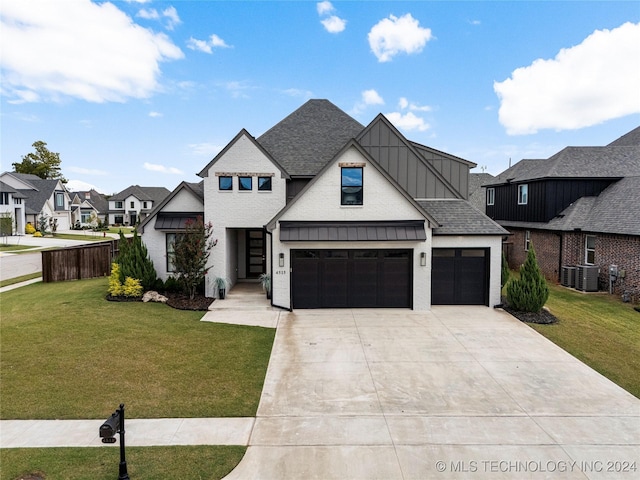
(334, 277)
(363, 283)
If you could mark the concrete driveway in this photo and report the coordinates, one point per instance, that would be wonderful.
(460, 392)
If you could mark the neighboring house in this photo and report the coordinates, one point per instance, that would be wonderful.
(12, 205)
(477, 194)
(86, 204)
(133, 204)
(578, 208)
(41, 197)
(340, 215)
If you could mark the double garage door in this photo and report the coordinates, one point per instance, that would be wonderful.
(352, 278)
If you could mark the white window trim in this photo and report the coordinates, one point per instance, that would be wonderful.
(491, 196)
(523, 199)
(527, 240)
(587, 249)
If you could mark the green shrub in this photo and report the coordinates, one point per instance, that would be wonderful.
(505, 270)
(528, 293)
(134, 261)
(172, 285)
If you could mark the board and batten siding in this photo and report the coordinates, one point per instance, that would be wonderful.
(413, 174)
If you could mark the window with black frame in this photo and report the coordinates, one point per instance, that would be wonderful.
(352, 191)
(264, 184)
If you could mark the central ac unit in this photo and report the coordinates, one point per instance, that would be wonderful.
(568, 276)
(587, 278)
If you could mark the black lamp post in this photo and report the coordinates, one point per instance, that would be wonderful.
(115, 424)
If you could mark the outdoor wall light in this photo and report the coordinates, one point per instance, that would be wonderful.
(423, 259)
(281, 259)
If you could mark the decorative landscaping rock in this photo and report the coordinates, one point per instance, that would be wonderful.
(152, 296)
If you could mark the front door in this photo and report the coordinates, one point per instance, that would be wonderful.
(133, 219)
(256, 263)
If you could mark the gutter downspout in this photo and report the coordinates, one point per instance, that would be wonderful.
(561, 235)
(289, 309)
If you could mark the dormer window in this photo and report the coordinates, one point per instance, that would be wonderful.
(523, 194)
(351, 184)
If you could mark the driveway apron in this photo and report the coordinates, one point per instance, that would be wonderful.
(458, 392)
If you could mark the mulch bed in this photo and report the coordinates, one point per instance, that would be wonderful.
(543, 317)
(183, 302)
(179, 301)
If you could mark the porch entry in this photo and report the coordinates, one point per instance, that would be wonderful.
(256, 254)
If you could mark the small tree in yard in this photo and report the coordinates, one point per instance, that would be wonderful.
(191, 253)
(505, 273)
(133, 259)
(528, 293)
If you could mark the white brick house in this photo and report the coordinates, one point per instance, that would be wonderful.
(340, 216)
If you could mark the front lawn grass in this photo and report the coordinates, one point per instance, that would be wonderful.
(198, 462)
(21, 278)
(91, 237)
(67, 353)
(598, 329)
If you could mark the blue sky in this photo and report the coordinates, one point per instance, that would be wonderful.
(133, 92)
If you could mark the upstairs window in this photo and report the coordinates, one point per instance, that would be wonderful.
(4, 198)
(264, 184)
(59, 201)
(118, 205)
(590, 250)
(245, 183)
(351, 186)
(491, 196)
(225, 183)
(132, 204)
(144, 205)
(523, 194)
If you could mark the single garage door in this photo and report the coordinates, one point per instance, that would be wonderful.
(351, 278)
(460, 276)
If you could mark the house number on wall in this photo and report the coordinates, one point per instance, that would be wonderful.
(281, 272)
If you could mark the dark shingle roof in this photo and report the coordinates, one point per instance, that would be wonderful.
(577, 162)
(99, 201)
(36, 198)
(155, 194)
(459, 217)
(305, 141)
(631, 138)
(477, 195)
(9, 189)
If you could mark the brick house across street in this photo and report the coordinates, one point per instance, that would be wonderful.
(580, 209)
(340, 215)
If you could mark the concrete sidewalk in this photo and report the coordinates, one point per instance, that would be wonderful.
(138, 432)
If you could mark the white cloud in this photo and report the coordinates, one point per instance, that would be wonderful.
(148, 14)
(408, 121)
(334, 24)
(583, 85)
(331, 23)
(155, 114)
(162, 169)
(403, 104)
(82, 186)
(371, 97)
(393, 35)
(87, 171)
(170, 14)
(85, 50)
(324, 8)
(207, 46)
(297, 92)
(204, 149)
(368, 97)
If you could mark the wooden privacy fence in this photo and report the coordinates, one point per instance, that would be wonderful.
(75, 263)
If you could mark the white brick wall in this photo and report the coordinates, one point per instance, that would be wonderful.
(235, 209)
